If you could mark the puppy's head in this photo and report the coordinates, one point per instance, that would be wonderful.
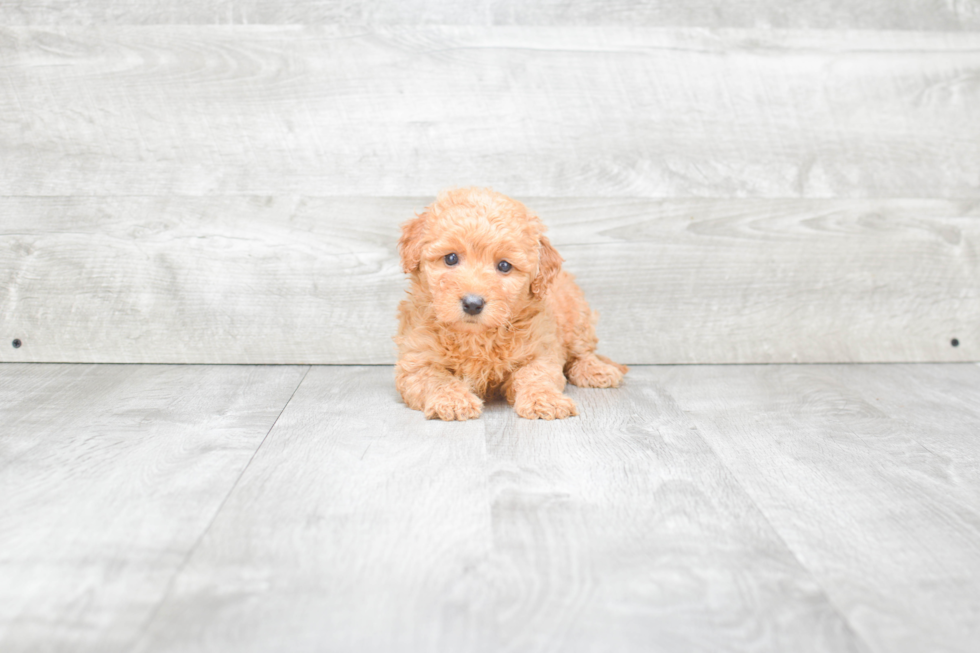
(480, 256)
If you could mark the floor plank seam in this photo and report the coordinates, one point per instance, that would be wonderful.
(190, 551)
(721, 460)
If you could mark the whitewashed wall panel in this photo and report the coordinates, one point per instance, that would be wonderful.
(316, 280)
(534, 111)
(823, 14)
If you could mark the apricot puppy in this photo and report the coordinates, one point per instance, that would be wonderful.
(490, 312)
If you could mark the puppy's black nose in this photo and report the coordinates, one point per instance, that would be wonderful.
(472, 304)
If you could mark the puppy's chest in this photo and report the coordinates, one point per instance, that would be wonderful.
(486, 366)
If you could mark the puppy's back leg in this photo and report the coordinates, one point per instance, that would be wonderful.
(576, 324)
(591, 370)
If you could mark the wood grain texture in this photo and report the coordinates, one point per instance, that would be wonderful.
(350, 532)
(939, 407)
(361, 526)
(212, 280)
(779, 281)
(622, 531)
(108, 477)
(820, 14)
(316, 280)
(872, 482)
(533, 111)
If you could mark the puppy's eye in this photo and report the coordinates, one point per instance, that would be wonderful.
(504, 266)
(451, 259)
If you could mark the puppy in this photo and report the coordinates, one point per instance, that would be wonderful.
(491, 313)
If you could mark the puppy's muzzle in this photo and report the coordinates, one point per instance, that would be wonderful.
(472, 304)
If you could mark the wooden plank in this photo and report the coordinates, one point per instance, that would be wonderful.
(211, 280)
(819, 14)
(937, 405)
(532, 111)
(749, 281)
(622, 530)
(361, 526)
(317, 280)
(108, 476)
(889, 527)
(350, 531)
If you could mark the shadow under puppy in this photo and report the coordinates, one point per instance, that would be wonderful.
(490, 312)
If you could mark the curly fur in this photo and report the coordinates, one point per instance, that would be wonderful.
(535, 328)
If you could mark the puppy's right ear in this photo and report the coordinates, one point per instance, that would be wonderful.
(410, 244)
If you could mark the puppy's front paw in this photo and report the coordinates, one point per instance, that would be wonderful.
(453, 403)
(545, 405)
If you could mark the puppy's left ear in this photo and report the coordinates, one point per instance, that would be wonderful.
(410, 244)
(549, 265)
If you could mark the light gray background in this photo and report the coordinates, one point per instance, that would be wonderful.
(734, 182)
(739, 181)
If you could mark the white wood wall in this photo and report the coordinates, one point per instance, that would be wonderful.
(751, 181)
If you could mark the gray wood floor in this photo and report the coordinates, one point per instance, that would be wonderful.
(699, 508)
